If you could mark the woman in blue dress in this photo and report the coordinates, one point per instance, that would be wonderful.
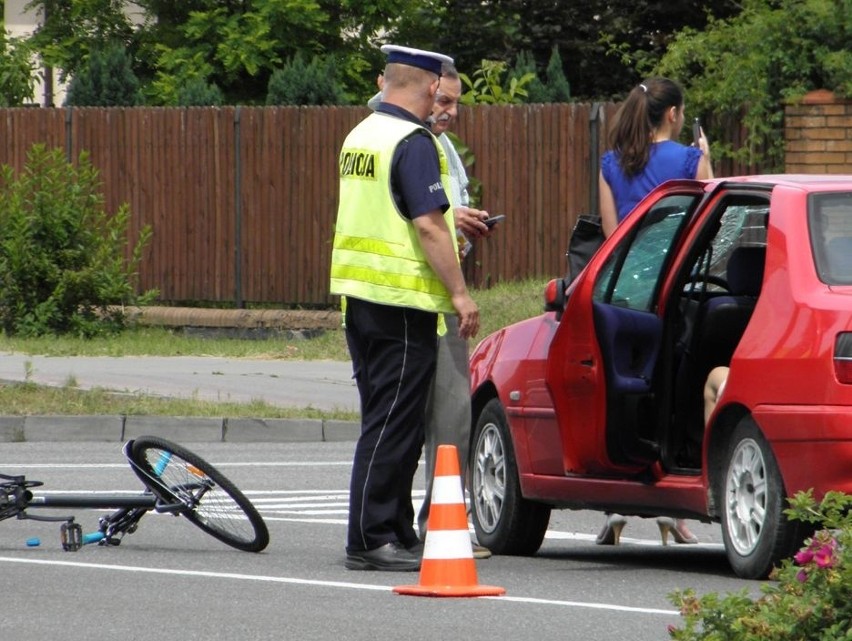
(644, 153)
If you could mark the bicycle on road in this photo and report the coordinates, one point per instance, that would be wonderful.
(177, 482)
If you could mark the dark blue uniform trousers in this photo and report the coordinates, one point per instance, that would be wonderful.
(393, 353)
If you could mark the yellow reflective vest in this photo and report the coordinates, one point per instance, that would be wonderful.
(377, 254)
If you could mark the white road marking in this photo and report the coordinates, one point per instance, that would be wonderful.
(326, 584)
(61, 466)
(317, 506)
(94, 466)
(320, 506)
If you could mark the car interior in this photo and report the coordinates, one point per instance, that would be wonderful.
(720, 296)
(656, 367)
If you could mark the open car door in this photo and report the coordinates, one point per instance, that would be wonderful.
(603, 360)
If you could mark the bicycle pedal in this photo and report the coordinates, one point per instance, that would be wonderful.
(71, 535)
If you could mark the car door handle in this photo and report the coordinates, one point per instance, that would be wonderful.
(588, 362)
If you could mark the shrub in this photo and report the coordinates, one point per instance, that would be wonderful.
(301, 83)
(474, 185)
(557, 84)
(810, 598)
(62, 257)
(178, 75)
(197, 92)
(525, 64)
(486, 86)
(748, 66)
(556, 87)
(106, 80)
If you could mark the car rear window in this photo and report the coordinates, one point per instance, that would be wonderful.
(830, 223)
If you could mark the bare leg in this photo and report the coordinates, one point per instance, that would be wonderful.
(713, 388)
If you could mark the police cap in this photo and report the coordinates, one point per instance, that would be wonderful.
(428, 60)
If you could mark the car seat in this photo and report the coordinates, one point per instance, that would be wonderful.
(720, 323)
(722, 320)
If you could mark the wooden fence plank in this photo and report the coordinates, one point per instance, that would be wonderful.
(176, 169)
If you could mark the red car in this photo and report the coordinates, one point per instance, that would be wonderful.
(598, 404)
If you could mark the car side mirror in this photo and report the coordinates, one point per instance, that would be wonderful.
(554, 296)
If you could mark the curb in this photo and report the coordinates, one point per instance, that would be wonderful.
(183, 429)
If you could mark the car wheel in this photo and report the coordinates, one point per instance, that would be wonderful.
(505, 522)
(756, 533)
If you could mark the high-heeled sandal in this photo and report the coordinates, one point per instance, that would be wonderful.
(611, 532)
(668, 526)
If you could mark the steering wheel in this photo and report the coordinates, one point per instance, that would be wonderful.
(710, 279)
(718, 281)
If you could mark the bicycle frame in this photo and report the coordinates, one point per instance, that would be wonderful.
(16, 498)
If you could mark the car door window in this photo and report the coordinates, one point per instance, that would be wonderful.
(632, 274)
(743, 222)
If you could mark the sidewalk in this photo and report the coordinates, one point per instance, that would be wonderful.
(326, 385)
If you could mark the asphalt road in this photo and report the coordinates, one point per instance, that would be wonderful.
(170, 580)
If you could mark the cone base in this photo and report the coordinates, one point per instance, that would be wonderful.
(450, 590)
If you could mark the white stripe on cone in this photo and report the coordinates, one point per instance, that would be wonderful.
(447, 490)
(447, 544)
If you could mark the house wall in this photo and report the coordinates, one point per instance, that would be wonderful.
(818, 136)
(21, 23)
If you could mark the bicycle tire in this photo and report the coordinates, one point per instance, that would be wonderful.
(220, 509)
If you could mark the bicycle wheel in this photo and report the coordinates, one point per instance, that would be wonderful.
(176, 475)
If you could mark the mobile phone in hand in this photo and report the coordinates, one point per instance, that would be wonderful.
(696, 131)
(493, 220)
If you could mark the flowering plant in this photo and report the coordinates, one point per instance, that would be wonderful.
(809, 596)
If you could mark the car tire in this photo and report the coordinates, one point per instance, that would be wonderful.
(505, 522)
(755, 530)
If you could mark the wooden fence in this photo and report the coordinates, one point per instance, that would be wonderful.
(242, 201)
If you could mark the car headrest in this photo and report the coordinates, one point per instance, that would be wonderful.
(745, 270)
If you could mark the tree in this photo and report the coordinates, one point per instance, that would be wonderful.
(606, 46)
(70, 31)
(232, 44)
(17, 79)
(770, 53)
(104, 80)
(301, 83)
(240, 44)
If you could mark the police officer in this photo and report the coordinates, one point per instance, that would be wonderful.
(394, 260)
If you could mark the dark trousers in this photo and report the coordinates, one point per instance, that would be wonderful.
(393, 353)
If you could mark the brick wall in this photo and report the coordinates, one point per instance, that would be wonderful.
(819, 134)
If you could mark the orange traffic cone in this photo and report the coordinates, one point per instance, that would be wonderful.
(448, 568)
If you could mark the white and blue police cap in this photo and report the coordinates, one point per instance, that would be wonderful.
(428, 60)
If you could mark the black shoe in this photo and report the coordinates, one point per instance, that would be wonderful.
(391, 557)
(416, 548)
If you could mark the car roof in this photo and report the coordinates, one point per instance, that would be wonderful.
(806, 182)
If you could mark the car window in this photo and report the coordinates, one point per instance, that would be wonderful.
(742, 223)
(739, 219)
(632, 273)
(830, 224)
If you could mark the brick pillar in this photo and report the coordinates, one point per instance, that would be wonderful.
(818, 134)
